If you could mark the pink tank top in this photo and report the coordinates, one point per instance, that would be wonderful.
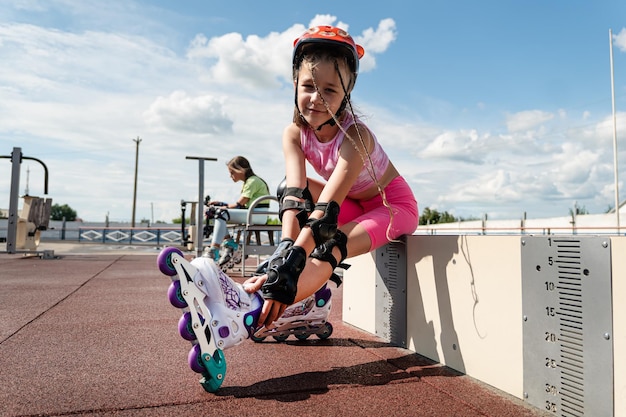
(323, 156)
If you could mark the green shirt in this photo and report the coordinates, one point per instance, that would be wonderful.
(253, 188)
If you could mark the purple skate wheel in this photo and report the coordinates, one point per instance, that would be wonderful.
(175, 296)
(164, 261)
(195, 360)
(184, 327)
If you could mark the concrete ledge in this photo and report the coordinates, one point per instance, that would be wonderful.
(464, 306)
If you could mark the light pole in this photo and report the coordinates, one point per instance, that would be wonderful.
(615, 174)
(137, 141)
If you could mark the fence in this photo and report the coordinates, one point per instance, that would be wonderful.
(158, 234)
(589, 224)
(130, 235)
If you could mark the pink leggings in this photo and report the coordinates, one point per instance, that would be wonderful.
(375, 218)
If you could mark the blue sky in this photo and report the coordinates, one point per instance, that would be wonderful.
(486, 107)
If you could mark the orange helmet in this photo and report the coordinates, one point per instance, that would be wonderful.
(332, 36)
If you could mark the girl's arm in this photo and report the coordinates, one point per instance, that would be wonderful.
(241, 203)
(295, 172)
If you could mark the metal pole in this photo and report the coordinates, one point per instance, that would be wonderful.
(200, 212)
(200, 209)
(614, 134)
(16, 161)
(137, 141)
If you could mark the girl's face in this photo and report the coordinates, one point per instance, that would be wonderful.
(316, 85)
(236, 175)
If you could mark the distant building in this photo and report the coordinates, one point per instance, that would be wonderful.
(4, 213)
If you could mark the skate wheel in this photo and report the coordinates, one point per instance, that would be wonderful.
(302, 336)
(281, 337)
(257, 339)
(184, 327)
(194, 359)
(175, 296)
(328, 330)
(164, 261)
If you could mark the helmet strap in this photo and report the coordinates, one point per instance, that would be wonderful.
(331, 121)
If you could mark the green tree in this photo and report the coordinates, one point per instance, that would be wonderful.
(58, 212)
(430, 216)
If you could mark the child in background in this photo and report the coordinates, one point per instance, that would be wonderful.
(222, 244)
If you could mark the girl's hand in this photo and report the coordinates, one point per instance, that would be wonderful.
(271, 311)
(254, 284)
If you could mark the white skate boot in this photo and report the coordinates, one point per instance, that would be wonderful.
(219, 314)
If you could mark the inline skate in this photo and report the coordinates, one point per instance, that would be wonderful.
(218, 313)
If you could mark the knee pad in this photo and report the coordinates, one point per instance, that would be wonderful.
(324, 252)
(282, 276)
(325, 227)
(304, 207)
(221, 213)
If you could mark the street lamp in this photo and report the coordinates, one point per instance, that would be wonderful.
(137, 141)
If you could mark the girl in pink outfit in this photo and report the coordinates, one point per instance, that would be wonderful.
(363, 203)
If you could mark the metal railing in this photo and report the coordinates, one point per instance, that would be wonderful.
(456, 229)
(130, 235)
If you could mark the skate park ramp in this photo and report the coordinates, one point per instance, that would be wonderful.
(91, 333)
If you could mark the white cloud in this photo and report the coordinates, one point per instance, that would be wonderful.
(258, 62)
(255, 62)
(575, 171)
(376, 41)
(526, 120)
(454, 145)
(327, 20)
(495, 186)
(181, 113)
(619, 40)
